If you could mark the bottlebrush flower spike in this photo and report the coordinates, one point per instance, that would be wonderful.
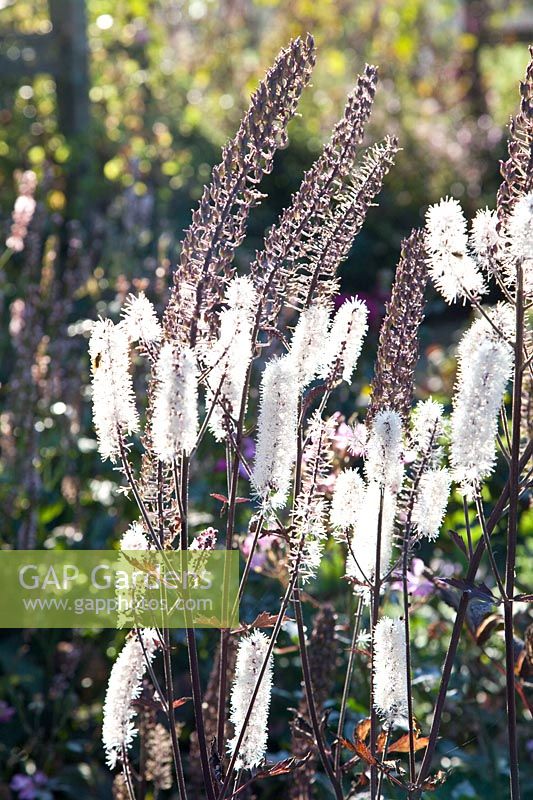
(348, 497)
(520, 238)
(384, 458)
(520, 228)
(134, 538)
(454, 272)
(502, 317)
(250, 657)
(175, 410)
(307, 345)
(316, 276)
(427, 430)
(361, 559)
(230, 357)
(309, 516)
(125, 686)
(485, 241)
(277, 430)
(485, 366)
(345, 341)
(114, 411)
(390, 670)
(431, 502)
(140, 319)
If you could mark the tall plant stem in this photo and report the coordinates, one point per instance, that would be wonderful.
(488, 547)
(135, 491)
(230, 531)
(183, 488)
(309, 695)
(468, 529)
(126, 771)
(492, 521)
(167, 667)
(168, 695)
(512, 533)
(383, 759)
(271, 644)
(225, 633)
(405, 559)
(347, 684)
(376, 588)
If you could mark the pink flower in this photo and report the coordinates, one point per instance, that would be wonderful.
(259, 557)
(348, 440)
(417, 584)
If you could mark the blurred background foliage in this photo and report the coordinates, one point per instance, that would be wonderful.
(120, 107)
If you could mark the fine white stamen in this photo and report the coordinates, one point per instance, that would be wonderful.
(309, 516)
(520, 228)
(427, 430)
(345, 341)
(348, 496)
(230, 356)
(485, 241)
(140, 319)
(520, 239)
(384, 459)
(276, 431)
(454, 273)
(390, 670)
(175, 414)
(485, 365)
(114, 412)
(361, 560)
(431, 502)
(134, 538)
(250, 657)
(307, 345)
(125, 686)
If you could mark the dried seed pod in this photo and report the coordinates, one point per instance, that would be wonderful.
(392, 386)
(517, 170)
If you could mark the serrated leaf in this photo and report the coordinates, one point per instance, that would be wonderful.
(263, 620)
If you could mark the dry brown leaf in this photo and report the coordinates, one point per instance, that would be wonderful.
(263, 620)
(363, 752)
(434, 780)
(363, 729)
(347, 744)
(180, 701)
(401, 745)
(282, 767)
